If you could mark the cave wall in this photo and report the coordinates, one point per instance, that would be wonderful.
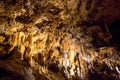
(52, 39)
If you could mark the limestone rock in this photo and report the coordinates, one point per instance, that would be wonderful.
(55, 40)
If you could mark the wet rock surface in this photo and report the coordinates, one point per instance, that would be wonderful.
(57, 40)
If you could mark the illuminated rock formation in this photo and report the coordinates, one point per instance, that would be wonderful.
(56, 40)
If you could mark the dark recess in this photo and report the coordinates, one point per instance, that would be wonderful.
(9, 75)
(114, 29)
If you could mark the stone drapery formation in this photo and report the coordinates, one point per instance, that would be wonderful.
(53, 39)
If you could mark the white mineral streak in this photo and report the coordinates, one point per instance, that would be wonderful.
(72, 72)
(66, 62)
(117, 70)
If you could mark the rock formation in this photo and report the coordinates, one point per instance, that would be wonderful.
(58, 40)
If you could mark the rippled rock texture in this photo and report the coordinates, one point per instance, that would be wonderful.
(56, 40)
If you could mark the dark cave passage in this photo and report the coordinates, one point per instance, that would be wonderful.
(115, 31)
